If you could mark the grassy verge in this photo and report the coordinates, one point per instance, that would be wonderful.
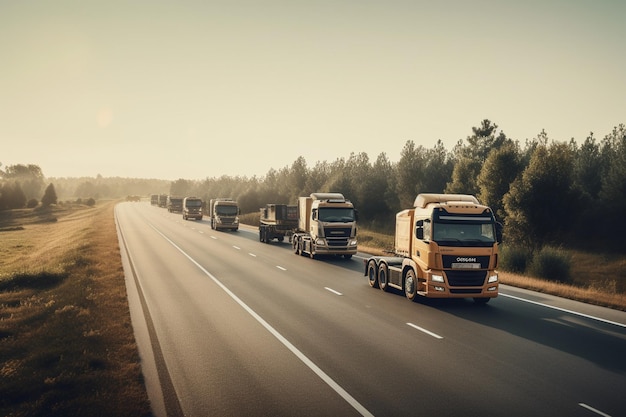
(66, 341)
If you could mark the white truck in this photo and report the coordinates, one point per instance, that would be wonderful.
(326, 226)
(192, 208)
(445, 247)
(224, 214)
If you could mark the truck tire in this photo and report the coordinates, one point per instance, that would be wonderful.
(372, 274)
(296, 246)
(481, 300)
(383, 277)
(410, 285)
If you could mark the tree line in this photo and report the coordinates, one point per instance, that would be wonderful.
(544, 192)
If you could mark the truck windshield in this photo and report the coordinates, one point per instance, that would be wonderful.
(194, 203)
(226, 210)
(464, 230)
(336, 214)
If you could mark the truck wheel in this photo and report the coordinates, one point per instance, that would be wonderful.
(296, 247)
(481, 300)
(410, 285)
(372, 274)
(347, 256)
(260, 235)
(383, 275)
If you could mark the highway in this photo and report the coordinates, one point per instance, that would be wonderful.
(229, 326)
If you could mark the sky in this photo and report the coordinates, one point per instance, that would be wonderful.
(200, 89)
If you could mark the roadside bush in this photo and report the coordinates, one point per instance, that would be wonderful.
(90, 202)
(514, 258)
(32, 203)
(553, 264)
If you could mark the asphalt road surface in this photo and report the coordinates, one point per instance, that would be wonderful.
(229, 326)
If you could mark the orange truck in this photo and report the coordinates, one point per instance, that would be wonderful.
(446, 246)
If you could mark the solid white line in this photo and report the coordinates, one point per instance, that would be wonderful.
(421, 329)
(281, 268)
(310, 364)
(333, 291)
(583, 405)
(576, 313)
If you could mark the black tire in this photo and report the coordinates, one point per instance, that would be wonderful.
(296, 247)
(347, 256)
(410, 285)
(372, 274)
(383, 277)
(260, 234)
(482, 300)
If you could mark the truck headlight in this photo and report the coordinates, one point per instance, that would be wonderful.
(493, 278)
(352, 242)
(436, 278)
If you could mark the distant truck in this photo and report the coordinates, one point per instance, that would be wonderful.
(174, 204)
(277, 221)
(224, 214)
(154, 199)
(326, 226)
(162, 200)
(445, 247)
(192, 208)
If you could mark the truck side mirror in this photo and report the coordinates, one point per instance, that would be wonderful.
(356, 215)
(419, 229)
(499, 228)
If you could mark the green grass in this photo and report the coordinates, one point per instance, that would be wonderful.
(66, 341)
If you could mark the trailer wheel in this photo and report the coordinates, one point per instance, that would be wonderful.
(372, 274)
(383, 277)
(410, 285)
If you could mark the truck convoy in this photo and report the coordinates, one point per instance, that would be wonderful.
(277, 221)
(192, 208)
(445, 247)
(326, 226)
(224, 214)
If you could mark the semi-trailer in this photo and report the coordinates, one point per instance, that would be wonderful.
(327, 225)
(446, 246)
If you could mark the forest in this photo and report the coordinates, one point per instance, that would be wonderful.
(543, 191)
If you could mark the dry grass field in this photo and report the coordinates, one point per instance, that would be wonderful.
(66, 341)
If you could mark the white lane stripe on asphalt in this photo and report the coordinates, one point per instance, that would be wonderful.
(598, 412)
(281, 268)
(333, 291)
(576, 313)
(428, 332)
(309, 363)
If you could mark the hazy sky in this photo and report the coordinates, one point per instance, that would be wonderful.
(196, 89)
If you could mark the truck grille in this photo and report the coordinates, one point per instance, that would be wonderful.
(448, 260)
(337, 232)
(466, 278)
(337, 242)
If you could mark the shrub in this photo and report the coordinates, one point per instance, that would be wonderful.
(90, 202)
(32, 203)
(514, 258)
(551, 263)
